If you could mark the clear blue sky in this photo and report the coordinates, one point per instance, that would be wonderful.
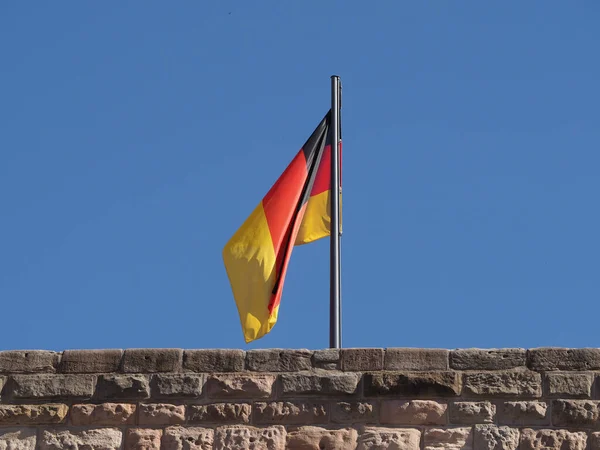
(136, 138)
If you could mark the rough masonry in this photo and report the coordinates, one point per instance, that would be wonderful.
(364, 398)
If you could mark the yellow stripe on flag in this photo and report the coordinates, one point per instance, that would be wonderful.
(249, 259)
(316, 223)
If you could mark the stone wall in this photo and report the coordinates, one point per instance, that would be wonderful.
(403, 399)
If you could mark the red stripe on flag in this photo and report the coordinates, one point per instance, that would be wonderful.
(323, 178)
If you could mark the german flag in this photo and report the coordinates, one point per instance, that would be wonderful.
(295, 211)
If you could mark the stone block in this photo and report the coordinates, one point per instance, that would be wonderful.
(328, 359)
(314, 438)
(575, 413)
(416, 359)
(189, 438)
(569, 385)
(362, 359)
(214, 360)
(220, 413)
(49, 387)
(488, 359)
(491, 437)
(28, 361)
(278, 360)
(311, 383)
(448, 439)
(552, 440)
(255, 385)
(550, 358)
(238, 437)
(354, 412)
(117, 387)
(90, 361)
(413, 412)
(524, 414)
(92, 439)
(463, 413)
(177, 385)
(32, 414)
(18, 439)
(161, 414)
(143, 439)
(290, 413)
(375, 438)
(503, 384)
(412, 384)
(103, 414)
(149, 360)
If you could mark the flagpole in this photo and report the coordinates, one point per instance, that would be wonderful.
(335, 322)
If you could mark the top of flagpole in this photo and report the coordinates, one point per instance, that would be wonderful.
(339, 83)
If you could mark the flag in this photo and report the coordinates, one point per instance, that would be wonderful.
(295, 211)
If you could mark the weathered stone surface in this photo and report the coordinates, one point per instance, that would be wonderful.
(314, 438)
(189, 438)
(220, 413)
(354, 412)
(32, 414)
(177, 385)
(144, 360)
(503, 384)
(112, 387)
(552, 440)
(357, 359)
(90, 361)
(488, 359)
(416, 359)
(374, 438)
(328, 359)
(549, 358)
(311, 395)
(143, 439)
(575, 413)
(2, 383)
(28, 361)
(413, 412)
(290, 413)
(94, 439)
(237, 437)
(448, 439)
(524, 413)
(278, 360)
(51, 386)
(430, 384)
(214, 360)
(161, 414)
(570, 385)
(328, 383)
(256, 385)
(103, 414)
(21, 439)
(491, 437)
(472, 412)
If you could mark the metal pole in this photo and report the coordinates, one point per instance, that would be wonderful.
(335, 327)
(340, 214)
